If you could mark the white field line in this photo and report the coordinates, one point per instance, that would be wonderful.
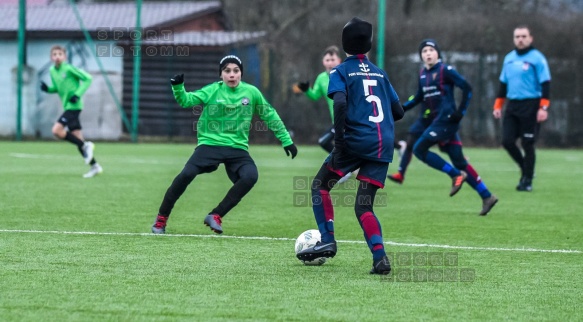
(494, 249)
(63, 157)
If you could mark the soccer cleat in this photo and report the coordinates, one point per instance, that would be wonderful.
(403, 147)
(327, 250)
(381, 267)
(159, 226)
(345, 178)
(524, 185)
(88, 147)
(488, 204)
(95, 170)
(457, 182)
(397, 177)
(214, 222)
(520, 183)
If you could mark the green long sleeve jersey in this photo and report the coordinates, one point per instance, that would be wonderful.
(320, 89)
(227, 114)
(67, 80)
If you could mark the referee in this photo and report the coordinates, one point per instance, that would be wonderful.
(525, 81)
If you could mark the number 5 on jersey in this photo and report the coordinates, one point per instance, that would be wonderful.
(375, 100)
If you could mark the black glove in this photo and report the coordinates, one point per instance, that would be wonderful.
(456, 116)
(44, 87)
(74, 99)
(304, 86)
(291, 149)
(177, 79)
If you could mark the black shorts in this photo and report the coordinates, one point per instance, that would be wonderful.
(520, 120)
(70, 119)
(208, 158)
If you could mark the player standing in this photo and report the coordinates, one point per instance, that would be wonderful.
(525, 80)
(223, 137)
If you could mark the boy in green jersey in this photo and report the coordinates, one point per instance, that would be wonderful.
(71, 83)
(223, 137)
(330, 60)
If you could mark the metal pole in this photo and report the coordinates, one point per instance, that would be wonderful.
(21, 63)
(137, 66)
(381, 34)
(101, 68)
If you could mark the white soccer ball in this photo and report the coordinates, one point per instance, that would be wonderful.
(308, 239)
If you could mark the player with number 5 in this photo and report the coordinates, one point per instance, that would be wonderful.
(365, 109)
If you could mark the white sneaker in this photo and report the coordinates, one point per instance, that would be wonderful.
(88, 151)
(402, 149)
(345, 178)
(95, 170)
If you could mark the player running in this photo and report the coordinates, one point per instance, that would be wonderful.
(439, 124)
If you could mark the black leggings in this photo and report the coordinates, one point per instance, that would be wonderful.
(244, 178)
(520, 122)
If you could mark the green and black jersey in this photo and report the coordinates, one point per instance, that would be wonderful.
(227, 114)
(67, 80)
(320, 89)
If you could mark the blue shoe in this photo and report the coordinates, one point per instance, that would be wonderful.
(327, 250)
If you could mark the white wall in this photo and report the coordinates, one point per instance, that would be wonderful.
(39, 107)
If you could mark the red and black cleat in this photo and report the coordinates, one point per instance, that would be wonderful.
(159, 226)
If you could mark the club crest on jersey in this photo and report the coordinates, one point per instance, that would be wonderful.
(434, 75)
(64, 75)
(525, 66)
(245, 101)
(364, 67)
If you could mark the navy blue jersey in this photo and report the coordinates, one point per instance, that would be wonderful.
(436, 86)
(369, 124)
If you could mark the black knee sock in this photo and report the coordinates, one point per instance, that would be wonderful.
(75, 140)
(529, 160)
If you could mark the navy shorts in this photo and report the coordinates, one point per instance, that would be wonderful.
(70, 119)
(419, 126)
(373, 172)
(440, 132)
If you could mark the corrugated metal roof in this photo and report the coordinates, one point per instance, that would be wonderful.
(208, 38)
(99, 15)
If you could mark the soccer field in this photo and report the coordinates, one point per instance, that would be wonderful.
(75, 249)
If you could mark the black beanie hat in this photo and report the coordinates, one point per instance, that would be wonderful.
(230, 59)
(431, 43)
(357, 37)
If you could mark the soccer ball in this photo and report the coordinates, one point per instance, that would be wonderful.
(308, 239)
